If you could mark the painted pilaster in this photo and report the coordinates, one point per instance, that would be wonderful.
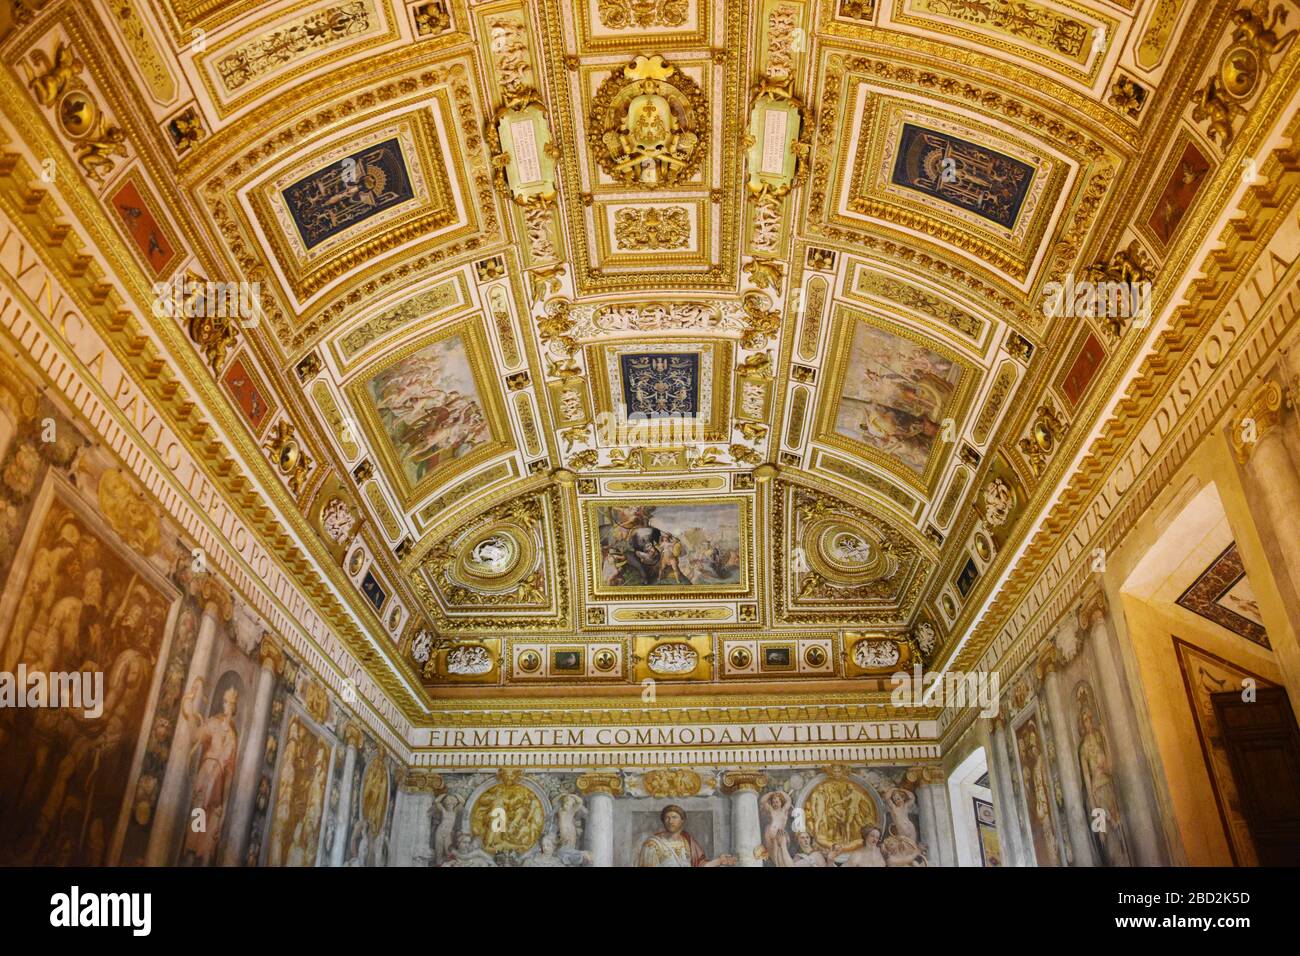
(244, 792)
(1077, 816)
(1024, 840)
(600, 790)
(352, 738)
(412, 840)
(1272, 464)
(1142, 827)
(746, 832)
(171, 813)
(935, 813)
(1004, 798)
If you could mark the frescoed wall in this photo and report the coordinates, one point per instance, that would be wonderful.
(831, 816)
(1065, 748)
(214, 745)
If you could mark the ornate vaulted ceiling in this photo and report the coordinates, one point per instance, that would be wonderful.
(625, 339)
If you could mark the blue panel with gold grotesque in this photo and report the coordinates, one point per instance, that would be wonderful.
(975, 178)
(661, 384)
(373, 590)
(348, 192)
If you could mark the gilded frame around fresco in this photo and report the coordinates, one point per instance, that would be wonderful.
(367, 337)
(844, 324)
(1170, 167)
(478, 352)
(592, 559)
(227, 101)
(1005, 38)
(870, 194)
(432, 208)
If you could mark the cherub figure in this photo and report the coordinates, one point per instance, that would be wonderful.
(1250, 28)
(776, 841)
(444, 835)
(1214, 106)
(58, 73)
(96, 154)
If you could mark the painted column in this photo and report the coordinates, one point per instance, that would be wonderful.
(600, 790)
(244, 794)
(1004, 798)
(935, 812)
(402, 829)
(412, 842)
(1024, 842)
(743, 787)
(1273, 463)
(8, 427)
(1270, 463)
(338, 852)
(171, 814)
(1077, 816)
(1142, 828)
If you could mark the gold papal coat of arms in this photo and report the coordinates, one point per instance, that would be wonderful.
(643, 124)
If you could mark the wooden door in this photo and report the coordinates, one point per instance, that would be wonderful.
(1264, 752)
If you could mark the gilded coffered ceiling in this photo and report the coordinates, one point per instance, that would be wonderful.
(608, 340)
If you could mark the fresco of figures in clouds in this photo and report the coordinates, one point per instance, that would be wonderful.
(214, 745)
(830, 817)
(895, 395)
(429, 407)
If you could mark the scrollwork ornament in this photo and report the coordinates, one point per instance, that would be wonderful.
(772, 98)
(523, 109)
(215, 336)
(1038, 445)
(1127, 269)
(288, 456)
